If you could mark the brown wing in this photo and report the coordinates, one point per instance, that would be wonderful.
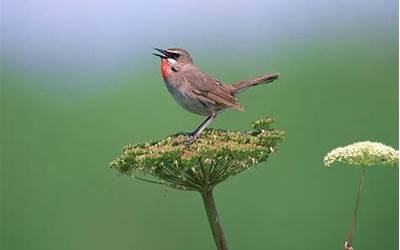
(210, 89)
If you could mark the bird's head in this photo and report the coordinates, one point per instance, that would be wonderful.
(173, 60)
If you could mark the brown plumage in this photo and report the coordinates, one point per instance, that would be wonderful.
(198, 92)
(237, 87)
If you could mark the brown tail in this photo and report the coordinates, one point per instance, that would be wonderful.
(242, 85)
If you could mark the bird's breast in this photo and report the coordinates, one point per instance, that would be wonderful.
(165, 69)
(186, 99)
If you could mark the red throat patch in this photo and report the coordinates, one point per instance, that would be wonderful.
(165, 68)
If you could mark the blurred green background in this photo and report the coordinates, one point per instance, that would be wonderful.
(70, 100)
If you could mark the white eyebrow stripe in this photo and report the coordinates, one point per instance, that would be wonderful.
(174, 51)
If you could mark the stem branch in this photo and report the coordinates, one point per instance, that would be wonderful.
(213, 219)
(349, 242)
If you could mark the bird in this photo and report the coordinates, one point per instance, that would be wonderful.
(198, 92)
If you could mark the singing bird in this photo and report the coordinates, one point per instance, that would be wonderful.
(198, 92)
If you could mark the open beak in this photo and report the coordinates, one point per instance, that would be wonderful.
(164, 54)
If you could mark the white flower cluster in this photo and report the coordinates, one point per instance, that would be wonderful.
(364, 153)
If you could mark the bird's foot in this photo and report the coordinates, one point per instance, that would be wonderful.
(192, 138)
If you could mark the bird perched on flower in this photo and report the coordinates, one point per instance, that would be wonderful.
(198, 92)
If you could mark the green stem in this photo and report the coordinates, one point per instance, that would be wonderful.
(349, 241)
(213, 219)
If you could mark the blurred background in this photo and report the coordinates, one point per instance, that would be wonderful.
(78, 82)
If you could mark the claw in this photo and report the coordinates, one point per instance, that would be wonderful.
(192, 138)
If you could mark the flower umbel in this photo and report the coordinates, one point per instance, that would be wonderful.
(364, 153)
(211, 159)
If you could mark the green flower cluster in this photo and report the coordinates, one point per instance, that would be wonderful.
(211, 159)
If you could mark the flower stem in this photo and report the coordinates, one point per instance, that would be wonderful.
(348, 244)
(213, 219)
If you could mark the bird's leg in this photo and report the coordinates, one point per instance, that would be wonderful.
(200, 126)
(197, 132)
